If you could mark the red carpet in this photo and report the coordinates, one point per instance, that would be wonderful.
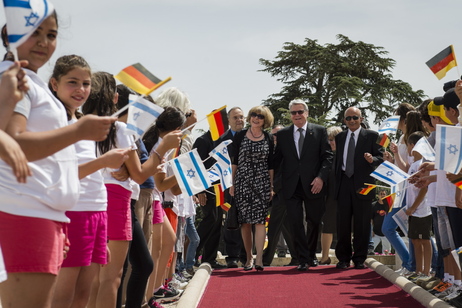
(322, 286)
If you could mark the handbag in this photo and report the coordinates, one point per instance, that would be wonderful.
(231, 219)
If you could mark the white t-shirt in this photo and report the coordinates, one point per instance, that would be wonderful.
(93, 195)
(54, 186)
(3, 275)
(423, 210)
(402, 150)
(122, 141)
(446, 190)
(431, 193)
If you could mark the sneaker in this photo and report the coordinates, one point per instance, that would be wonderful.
(165, 295)
(152, 303)
(446, 292)
(424, 280)
(420, 277)
(403, 272)
(430, 285)
(457, 291)
(186, 275)
(189, 271)
(412, 276)
(441, 287)
(177, 284)
(456, 302)
(180, 277)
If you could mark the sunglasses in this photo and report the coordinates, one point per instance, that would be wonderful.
(260, 116)
(353, 117)
(297, 111)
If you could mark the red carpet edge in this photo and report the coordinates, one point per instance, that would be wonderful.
(419, 294)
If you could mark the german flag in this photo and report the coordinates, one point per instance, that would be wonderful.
(383, 140)
(366, 190)
(442, 62)
(220, 198)
(457, 182)
(218, 121)
(139, 79)
(390, 199)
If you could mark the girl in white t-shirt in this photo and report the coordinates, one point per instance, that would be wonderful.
(102, 100)
(32, 213)
(71, 84)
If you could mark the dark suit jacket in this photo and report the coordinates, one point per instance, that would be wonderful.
(315, 161)
(367, 143)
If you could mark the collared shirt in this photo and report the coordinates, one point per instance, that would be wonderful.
(347, 141)
(297, 135)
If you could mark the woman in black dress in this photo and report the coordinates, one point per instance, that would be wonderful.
(253, 180)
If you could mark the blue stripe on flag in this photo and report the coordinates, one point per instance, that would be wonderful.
(384, 177)
(460, 156)
(442, 147)
(147, 109)
(14, 38)
(16, 3)
(135, 129)
(183, 178)
(223, 158)
(196, 165)
(396, 169)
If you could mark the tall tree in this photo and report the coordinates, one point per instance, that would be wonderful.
(331, 78)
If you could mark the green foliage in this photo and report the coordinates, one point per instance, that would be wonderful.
(331, 78)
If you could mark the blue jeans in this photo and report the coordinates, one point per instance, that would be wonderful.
(389, 227)
(191, 233)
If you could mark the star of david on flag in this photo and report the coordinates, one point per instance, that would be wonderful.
(389, 125)
(425, 149)
(389, 173)
(213, 174)
(190, 173)
(223, 164)
(225, 173)
(23, 18)
(399, 191)
(448, 148)
(141, 115)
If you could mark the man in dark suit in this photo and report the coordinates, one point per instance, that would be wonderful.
(304, 155)
(232, 237)
(209, 228)
(358, 153)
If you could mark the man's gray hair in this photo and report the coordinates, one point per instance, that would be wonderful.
(298, 101)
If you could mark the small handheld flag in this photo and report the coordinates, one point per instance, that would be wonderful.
(390, 200)
(442, 62)
(389, 173)
(448, 148)
(383, 140)
(389, 125)
(218, 121)
(220, 198)
(142, 114)
(23, 17)
(139, 79)
(366, 190)
(190, 173)
(425, 149)
(457, 182)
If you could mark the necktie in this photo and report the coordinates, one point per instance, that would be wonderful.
(301, 139)
(349, 167)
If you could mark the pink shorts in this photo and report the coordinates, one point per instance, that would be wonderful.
(87, 234)
(157, 212)
(119, 217)
(31, 245)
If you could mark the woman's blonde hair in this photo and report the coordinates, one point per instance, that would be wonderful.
(269, 119)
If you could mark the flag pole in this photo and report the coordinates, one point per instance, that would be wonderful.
(118, 112)
(159, 85)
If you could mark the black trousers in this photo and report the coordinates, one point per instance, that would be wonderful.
(278, 223)
(209, 230)
(353, 214)
(305, 242)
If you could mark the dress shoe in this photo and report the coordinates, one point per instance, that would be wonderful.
(343, 265)
(232, 264)
(313, 262)
(302, 267)
(259, 268)
(248, 267)
(359, 265)
(327, 262)
(281, 254)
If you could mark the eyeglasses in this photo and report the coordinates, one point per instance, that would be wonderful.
(260, 116)
(297, 111)
(353, 117)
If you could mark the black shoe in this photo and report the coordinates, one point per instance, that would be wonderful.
(313, 262)
(216, 265)
(343, 265)
(282, 254)
(293, 263)
(359, 265)
(259, 268)
(302, 267)
(232, 264)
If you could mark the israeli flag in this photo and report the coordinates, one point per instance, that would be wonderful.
(400, 193)
(23, 17)
(214, 175)
(425, 149)
(226, 178)
(448, 148)
(190, 173)
(221, 154)
(142, 114)
(389, 125)
(389, 173)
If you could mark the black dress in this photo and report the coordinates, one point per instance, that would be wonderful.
(252, 183)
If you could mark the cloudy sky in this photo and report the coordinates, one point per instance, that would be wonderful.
(211, 48)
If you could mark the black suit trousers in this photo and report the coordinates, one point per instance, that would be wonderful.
(305, 243)
(353, 214)
(209, 230)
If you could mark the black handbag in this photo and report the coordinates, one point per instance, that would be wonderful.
(231, 219)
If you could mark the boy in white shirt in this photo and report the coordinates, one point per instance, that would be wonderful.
(420, 219)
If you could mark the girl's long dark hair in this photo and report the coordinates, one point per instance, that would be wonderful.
(101, 103)
(172, 118)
